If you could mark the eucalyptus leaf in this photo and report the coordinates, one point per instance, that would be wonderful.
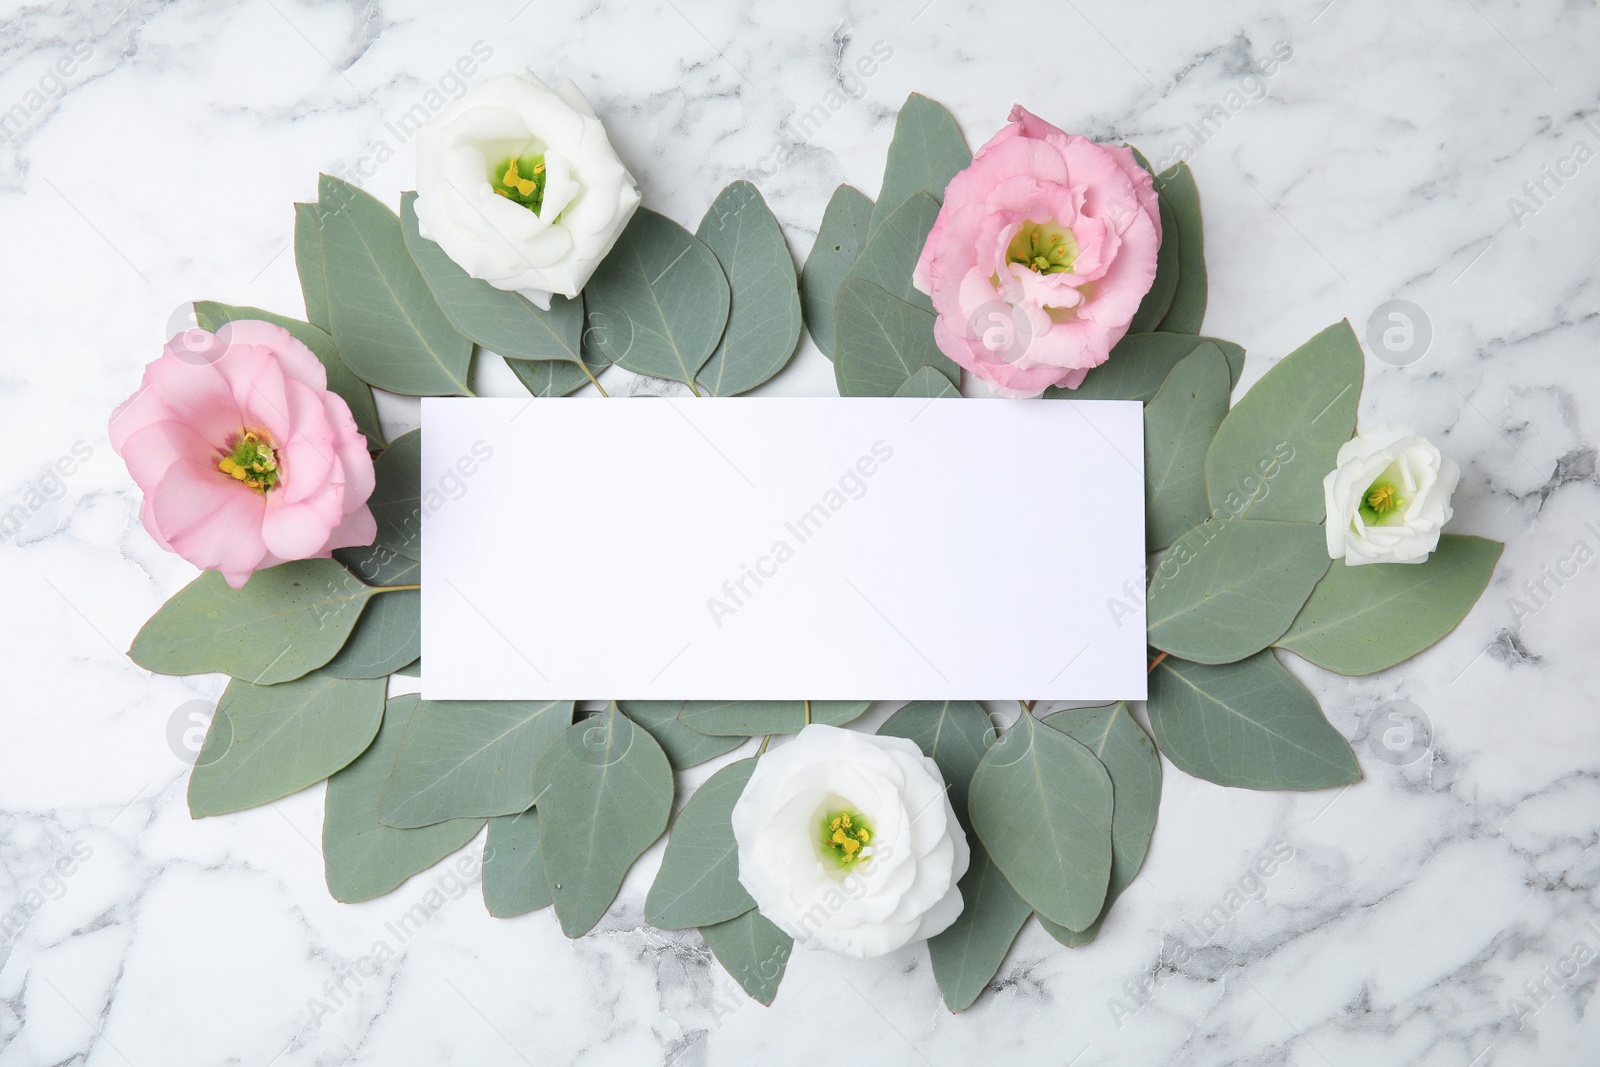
(287, 621)
(384, 319)
(698, 884)
(1369, 618)
(557, 377)
(839, 240)
(1231, 587)
(880, 341)
(1247, 724)
(362, 857)
(1041, 804)
(1140, 363)
(412, 669)
(1178, 426)
(659, 301)
(380, 566)
(1187, 312)
(750, 718)
(753, 951)
(604, 790)
(268, 741)
(1272, 451)
(926, 152)
(463, 758)
(929, 383)
(684, 747)
(953, 733)
(969, 952)
(504, 322)
(1153, 308)
(309, 265)
(513, 869)
(396, 500)
(356, 393)
(890, 256)
(1123, 747)
(387, 637)
(764, 305)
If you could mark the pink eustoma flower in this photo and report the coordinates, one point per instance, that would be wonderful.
(245, 458)
(1044, 247)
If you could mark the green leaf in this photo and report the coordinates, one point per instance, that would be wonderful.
(1230, 588)
(412, 669)
(1247, 724)
(1187, 312)
(1140, 363)
(267, 741)
(698, 884)
(881, 341)
(387, 637)
(968, 953)
(379, 566)
(362, 857)
(464, 758)
(750, 718)
(659, 300)
(1364, 619)
(1153, 308)
(953, 733)
(308, 263)
(928, 382)
(684, 747)
(396, 500)
(604, 791)
(356, 393)
(839, 240)
(764, 305)
(504, 322)
(287, 621)
(1272, 451)
(1122, 746)
(513, 870)
(753, 951)
(1041, 804)
(891, 253)
(557, 377)
(384, 318)
(1178, 427)
(926, 152)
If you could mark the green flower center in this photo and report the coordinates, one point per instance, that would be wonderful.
(845, 835)
(520, 179)
(1044, 248)
(251, 460)
(1382, 501)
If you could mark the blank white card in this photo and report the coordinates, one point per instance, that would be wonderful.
(782, 548)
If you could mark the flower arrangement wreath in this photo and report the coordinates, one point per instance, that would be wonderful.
(1044, 265)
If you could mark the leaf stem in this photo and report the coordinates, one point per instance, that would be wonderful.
(764, 742)
(395, 588)
(592, 379)
(807, 703)
(1156, 662)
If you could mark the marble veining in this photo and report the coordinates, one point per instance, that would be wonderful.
(1443, 911)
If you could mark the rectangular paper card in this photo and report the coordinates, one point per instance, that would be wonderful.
(782, 549)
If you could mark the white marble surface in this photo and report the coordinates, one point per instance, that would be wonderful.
(1419, 908)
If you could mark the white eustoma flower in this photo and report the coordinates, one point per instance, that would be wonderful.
(519, 185)
(847, 841)
(1388, 498)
